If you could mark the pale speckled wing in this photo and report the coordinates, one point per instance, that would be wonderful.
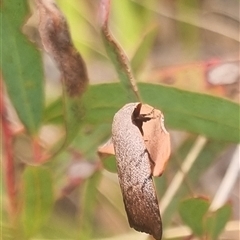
(134, 172)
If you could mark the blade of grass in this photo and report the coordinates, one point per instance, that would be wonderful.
(179, 176)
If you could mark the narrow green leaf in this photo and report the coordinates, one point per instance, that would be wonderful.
(72, 116)
(37, 199)
(67, 112)
(93, 136)
(192, 212)
(21, 65)
(211, 116)
(110, 164)
(216, 222)
(54, 112)
(99, 104)
(194, 112)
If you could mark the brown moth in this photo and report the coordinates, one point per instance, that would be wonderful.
(142, 147)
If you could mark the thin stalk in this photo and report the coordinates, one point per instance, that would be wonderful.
(230, 177)
(180, 175)
(8, 162)
(117, 55)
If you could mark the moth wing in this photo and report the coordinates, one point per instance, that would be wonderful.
(142, 209)
(134, 171)
(106, 149)
(156, 138)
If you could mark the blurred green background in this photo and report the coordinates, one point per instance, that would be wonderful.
(190, 50)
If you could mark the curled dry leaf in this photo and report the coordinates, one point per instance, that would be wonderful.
(142, 147)
(57, 42)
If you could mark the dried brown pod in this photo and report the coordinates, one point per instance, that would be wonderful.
(142, 147)
(57, 42)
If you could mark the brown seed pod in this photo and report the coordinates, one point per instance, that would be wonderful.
(135, 164)
(57, 41)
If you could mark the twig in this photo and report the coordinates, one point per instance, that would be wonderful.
(8, 164)
(228, 182)
(178, 178)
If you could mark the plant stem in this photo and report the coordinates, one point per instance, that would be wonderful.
(228, 181)
(8, 163)
(117, 55)
(179, 177)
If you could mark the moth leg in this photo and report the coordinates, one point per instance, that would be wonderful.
(147, 114)
(144, 117)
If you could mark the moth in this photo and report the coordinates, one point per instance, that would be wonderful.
(141, 145)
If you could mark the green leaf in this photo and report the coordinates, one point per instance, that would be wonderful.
(54, 112)
(203, 114)
(21, 65)
(110, 164)
(37, 199)
(72, 117)
(216, 222)
(192, 212)
(194, 112)
(93, 136)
